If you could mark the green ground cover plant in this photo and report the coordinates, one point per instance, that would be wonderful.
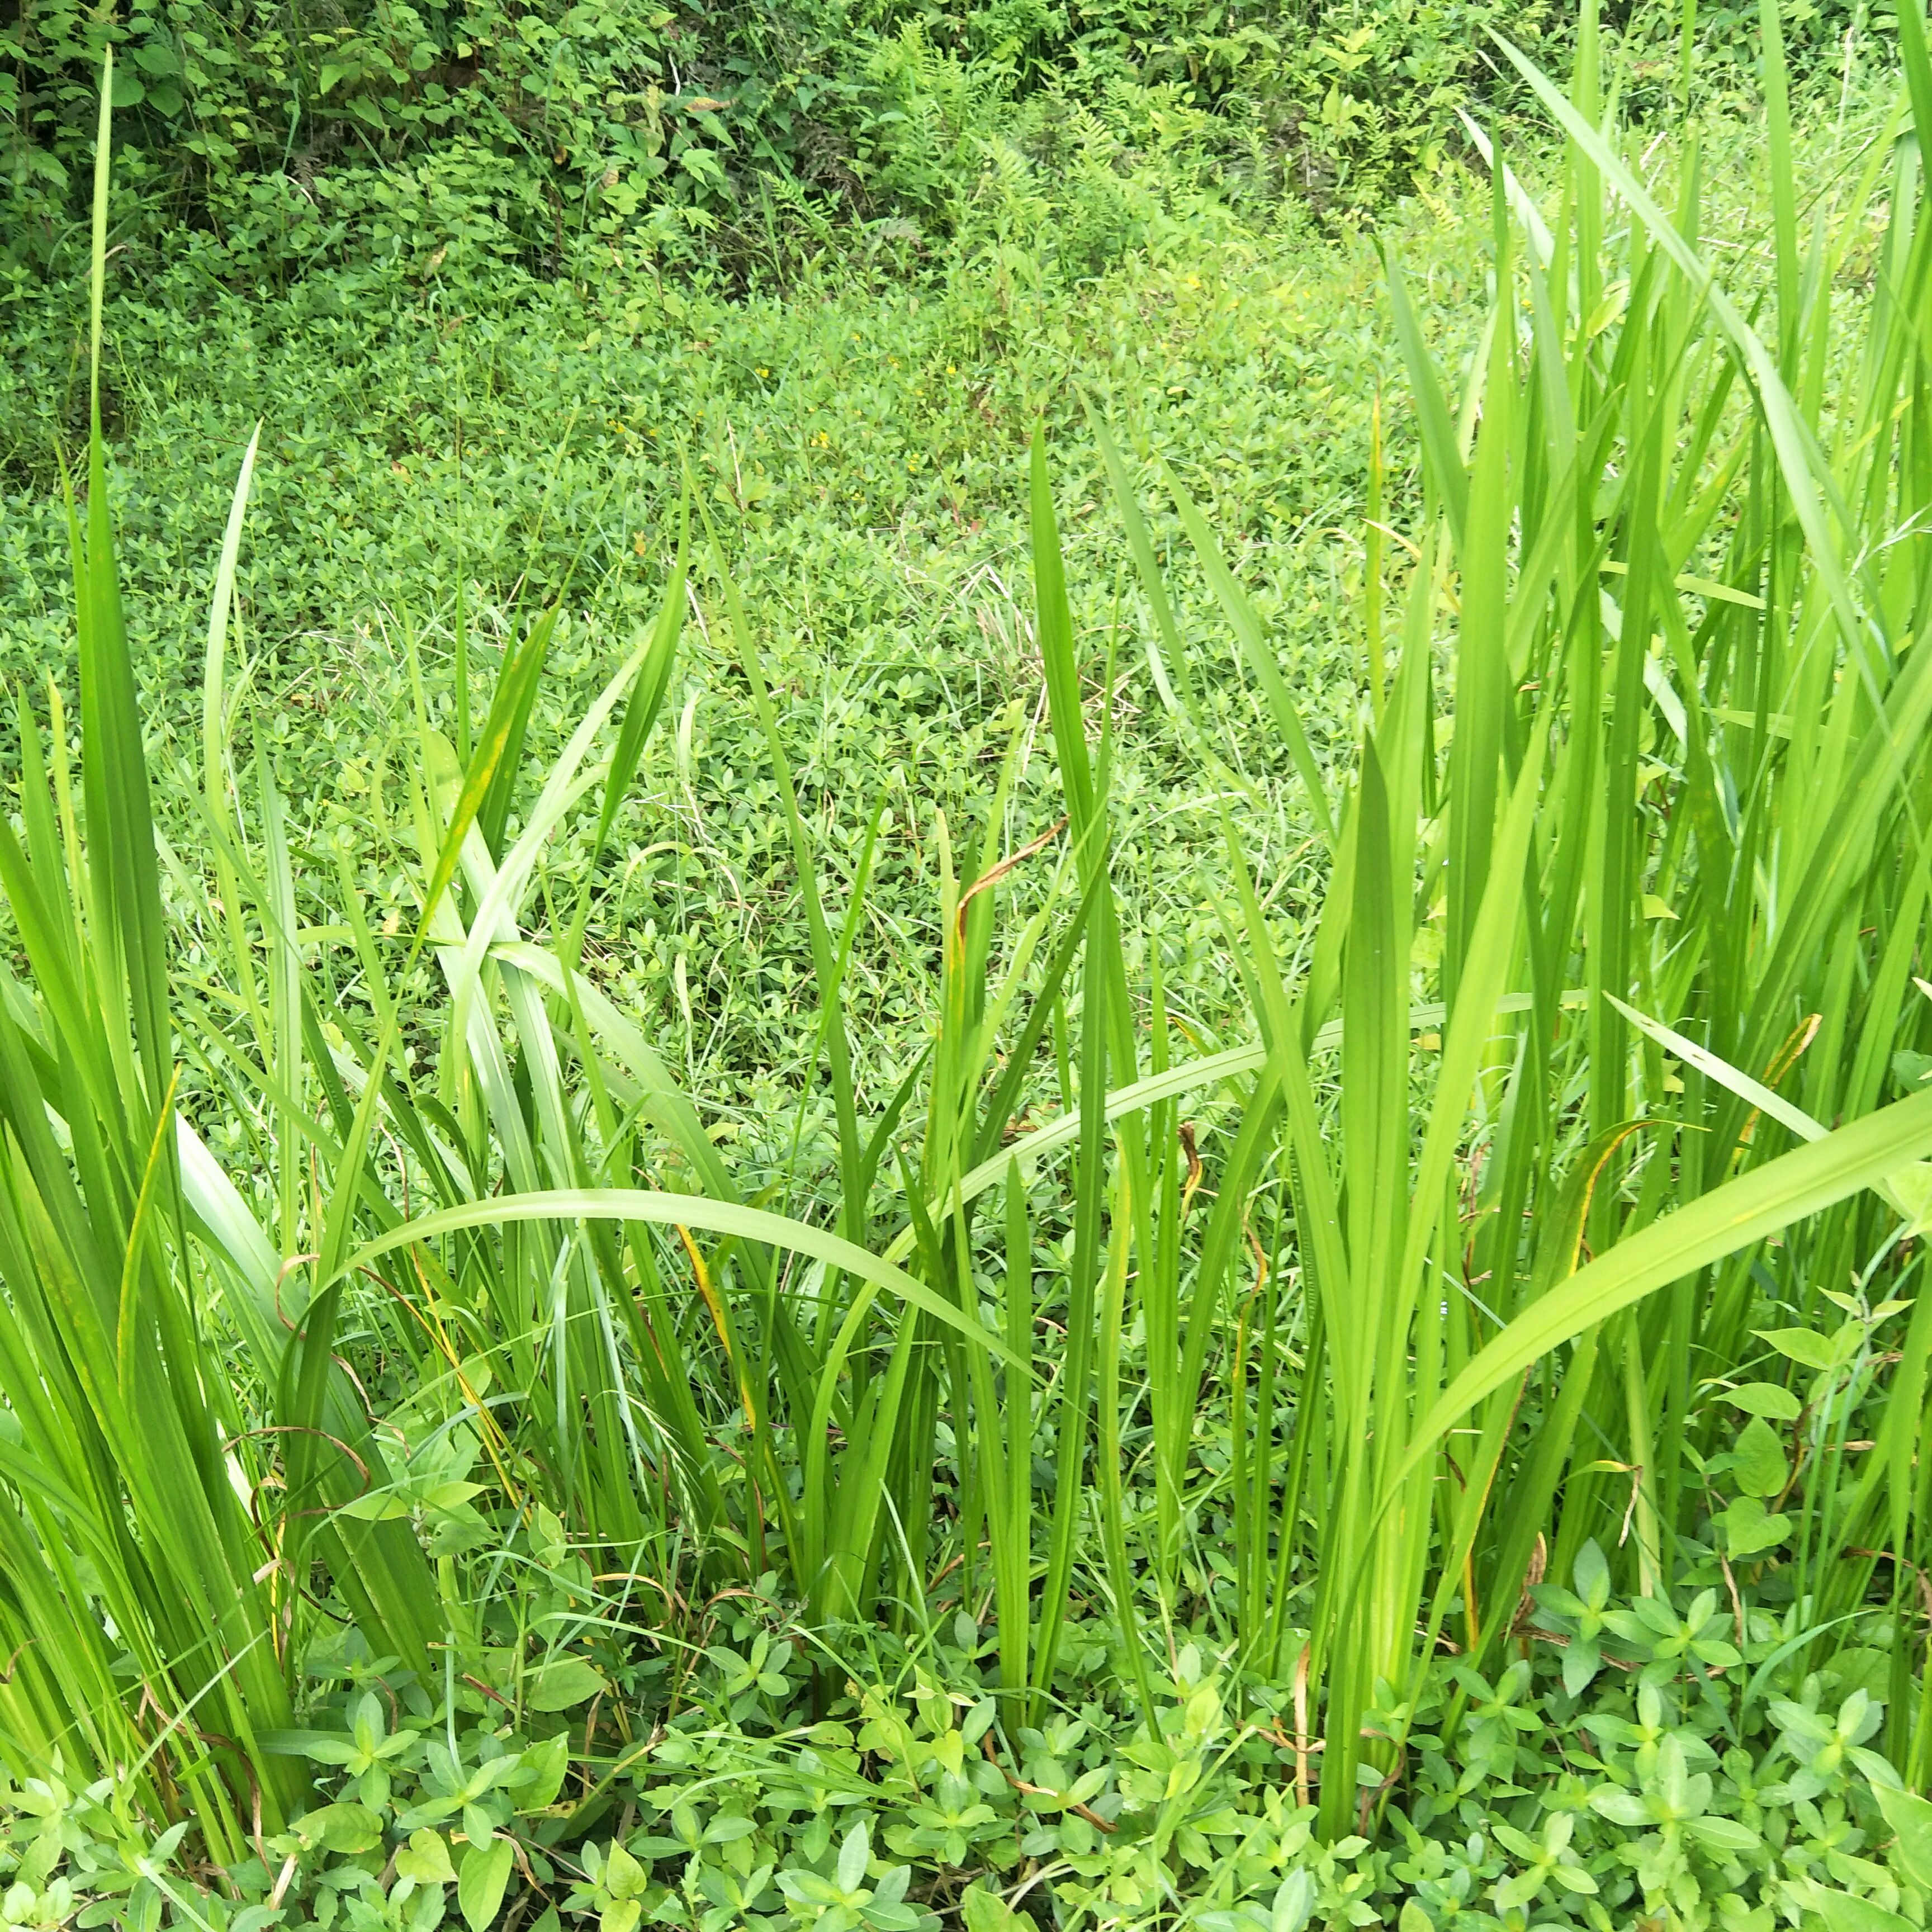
(1399, 1401)
(863, 455)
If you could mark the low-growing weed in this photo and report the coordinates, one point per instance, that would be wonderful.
(1663, 1785)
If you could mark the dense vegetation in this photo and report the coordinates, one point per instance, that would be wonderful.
(734, 136)
(721, 135)
(803, 1130)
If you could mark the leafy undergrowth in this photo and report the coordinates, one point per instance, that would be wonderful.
(1626, 1764)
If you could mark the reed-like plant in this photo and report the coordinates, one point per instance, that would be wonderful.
(1533, 1086)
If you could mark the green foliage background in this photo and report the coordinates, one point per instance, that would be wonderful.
(290, 133)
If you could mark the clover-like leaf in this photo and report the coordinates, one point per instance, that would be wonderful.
(1749, 1529)
(345, 1829)
(540, 1776)
(853, 1855)
(1910, 1817)
(1758, 1459)
(624, 1876)
(563, 1682)
(426, 1859)
(481, 1882)
(1844, 1911)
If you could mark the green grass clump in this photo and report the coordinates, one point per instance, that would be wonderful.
(1433, 1435)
